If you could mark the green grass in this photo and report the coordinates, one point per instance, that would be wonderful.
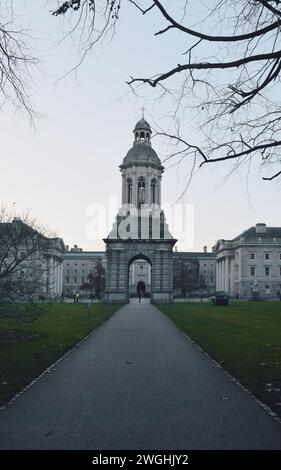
(50, 337)
(245, 337)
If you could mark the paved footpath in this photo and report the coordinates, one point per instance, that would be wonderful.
(137, 383)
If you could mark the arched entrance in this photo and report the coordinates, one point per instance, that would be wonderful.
(141, 288)
(121, 254)
(139, 278)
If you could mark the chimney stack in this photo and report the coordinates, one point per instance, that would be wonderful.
(260, 228)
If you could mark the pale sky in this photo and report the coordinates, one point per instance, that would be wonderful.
(70, 160)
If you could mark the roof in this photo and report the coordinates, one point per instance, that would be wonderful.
(142, 125)
(194, 254)
(250, 233)
(20, 232)
(142, 154)
(84, 254)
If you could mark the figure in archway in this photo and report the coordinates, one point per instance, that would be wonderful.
(141, 290)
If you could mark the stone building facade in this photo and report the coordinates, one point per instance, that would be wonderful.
(53, 260)
(38, 258)
(140, 250)
(249, 266)
(77, 265)
(194, 273)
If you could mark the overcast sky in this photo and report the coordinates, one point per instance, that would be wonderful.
(70, 160)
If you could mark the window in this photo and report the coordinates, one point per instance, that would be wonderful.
(253, 256)
(83, 280)
(67, 279)
(67, 271)
(141, 191)
(280, 256)
(253, 270)
(75, 280)
(280, 270)
(267, 256)
(267, 288)
(267, 270)
(153, 191)
(75, 271)
(129, 190)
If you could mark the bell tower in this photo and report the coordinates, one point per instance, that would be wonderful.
(140, 230)
(141, 170)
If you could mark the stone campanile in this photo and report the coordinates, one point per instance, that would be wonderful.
(140, 230)
(141, 170)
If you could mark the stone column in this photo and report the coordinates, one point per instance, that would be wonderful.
(54, 276)
(124, 192)
(232, 276)
(217, 275)
(57, 276)
(158, 191)
(134, 190)
(60, 278)
(226, 274)
(222, 274)
(147, 190)
(51, 276)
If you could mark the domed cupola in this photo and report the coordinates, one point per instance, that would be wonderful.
(142, 132)
(142, 153)
(141, 170)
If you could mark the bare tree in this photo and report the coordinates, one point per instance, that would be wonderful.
(25, 248)
(186, 275)
(96, 282)
(229, 72)
(17, 60)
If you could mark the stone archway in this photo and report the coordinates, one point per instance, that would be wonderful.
(121, 253)
(139, 276)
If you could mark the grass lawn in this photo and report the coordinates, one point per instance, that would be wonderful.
(245, 338)
(45, 341)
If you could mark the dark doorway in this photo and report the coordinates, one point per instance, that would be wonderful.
(141, 289)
